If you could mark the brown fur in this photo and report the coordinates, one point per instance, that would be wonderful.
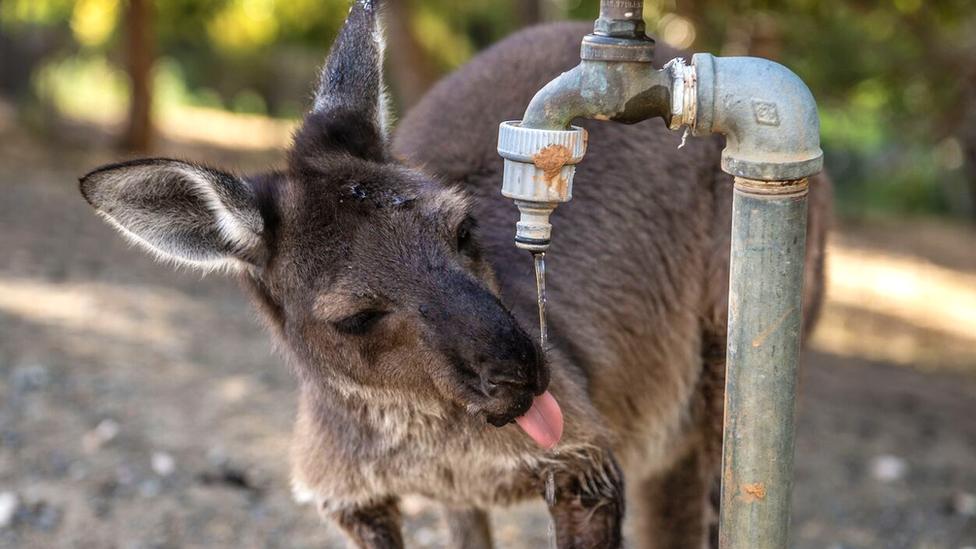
(638, 285)
(397, 294)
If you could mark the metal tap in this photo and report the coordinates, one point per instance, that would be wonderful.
(772, 130)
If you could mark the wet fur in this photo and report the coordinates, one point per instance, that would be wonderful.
(638, 281)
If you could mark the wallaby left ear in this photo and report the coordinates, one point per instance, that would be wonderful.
(180, 211)
(350, 110)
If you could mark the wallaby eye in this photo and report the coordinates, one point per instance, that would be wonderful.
(464, 237)
(359, 323)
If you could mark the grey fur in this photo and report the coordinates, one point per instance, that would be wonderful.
(211, 219)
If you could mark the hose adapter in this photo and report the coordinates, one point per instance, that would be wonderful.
(538, 176)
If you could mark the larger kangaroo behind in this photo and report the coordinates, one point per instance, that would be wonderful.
(388, 274)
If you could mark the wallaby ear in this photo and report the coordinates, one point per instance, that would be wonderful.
(350, 109)
(179, 211)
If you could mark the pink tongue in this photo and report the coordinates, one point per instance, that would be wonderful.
(544, 421)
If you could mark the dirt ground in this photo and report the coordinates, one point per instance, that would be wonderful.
(142, 407)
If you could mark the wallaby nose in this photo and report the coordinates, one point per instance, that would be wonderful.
(533, 361)
(497, 386)
(517, 366)
(486, 338)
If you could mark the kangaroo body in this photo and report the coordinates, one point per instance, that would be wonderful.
(638, 269)
(409, 326)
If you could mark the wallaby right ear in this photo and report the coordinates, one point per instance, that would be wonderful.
(349, 114)
(180, 211)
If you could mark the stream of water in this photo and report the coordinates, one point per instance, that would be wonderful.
(540, 286)
(551, 500)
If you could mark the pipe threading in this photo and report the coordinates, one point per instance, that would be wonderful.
(621, 19)
(777, 188)
(684, 93)
(622, 9)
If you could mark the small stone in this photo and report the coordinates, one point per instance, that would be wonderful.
(888, 468)
(964, 504)
(425, 536)
(28, 378)
(107, 429)
(102, 434)
(163, 464)
(11, 439)
(58, 464)
(150, 488)
(124, 475)
(217, 456)
(47, 517)
(77, 471)
(9, 502)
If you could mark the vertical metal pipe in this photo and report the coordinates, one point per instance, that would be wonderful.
(632, 10)
(621, 19)
(769, 220)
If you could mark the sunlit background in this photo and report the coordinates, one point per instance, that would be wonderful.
(895, 79)
(149, 403)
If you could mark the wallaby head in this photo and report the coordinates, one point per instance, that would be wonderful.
(367, 270)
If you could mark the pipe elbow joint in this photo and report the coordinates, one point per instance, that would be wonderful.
(766, 112)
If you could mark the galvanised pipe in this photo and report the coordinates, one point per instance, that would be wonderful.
(621, 19)
(615, 80)
(766, 113)
(769, 220)
(622, 10)
(608, 90)
(770, 122)
(772, 130)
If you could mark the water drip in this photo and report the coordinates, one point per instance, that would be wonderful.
(540, 287)
(551, 501)
(539, 259)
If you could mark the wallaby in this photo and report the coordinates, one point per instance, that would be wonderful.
(386, 270)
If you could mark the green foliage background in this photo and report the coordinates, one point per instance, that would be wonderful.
(895, 79)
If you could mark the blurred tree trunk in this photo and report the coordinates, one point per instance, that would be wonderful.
(139, 53)
(412, 70)
(967, 138)
(529, 11)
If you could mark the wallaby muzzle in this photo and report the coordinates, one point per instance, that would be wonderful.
(492, 355)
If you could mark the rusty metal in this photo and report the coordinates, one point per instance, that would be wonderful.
(621, 19)
(770, 122)
(597, 47)
(538, 176)
(618, 34)
(614, 80)
(769, 119)
(765, 289)
(622, 91)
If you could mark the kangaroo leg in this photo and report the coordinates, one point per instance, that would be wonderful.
(588, 505)
(674, 507)
(374, 526)
(467, 528)
(678, 508)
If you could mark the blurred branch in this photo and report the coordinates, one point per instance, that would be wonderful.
(139, 60)
(967, 136)
(412, 70)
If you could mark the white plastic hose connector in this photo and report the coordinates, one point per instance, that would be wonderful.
(538, 175)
